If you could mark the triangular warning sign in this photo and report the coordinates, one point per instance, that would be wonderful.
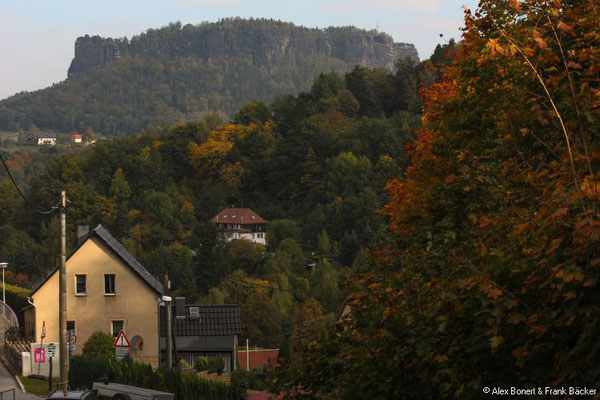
(121, 340)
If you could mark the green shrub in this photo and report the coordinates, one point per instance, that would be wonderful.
(216, 364)
(240, 379)
(84, 370)
(100, 344)
(201, 364)
(243, 380)
(184, 364)
(184, 387)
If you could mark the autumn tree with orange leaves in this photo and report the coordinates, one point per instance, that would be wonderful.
(493, 275)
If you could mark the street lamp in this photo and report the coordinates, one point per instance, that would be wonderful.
(3, 265)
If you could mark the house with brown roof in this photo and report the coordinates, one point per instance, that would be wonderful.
(241, 223)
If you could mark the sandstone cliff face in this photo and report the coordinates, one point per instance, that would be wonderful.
(267, 42)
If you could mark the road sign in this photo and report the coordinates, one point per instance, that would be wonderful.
(43, 335)
(121, 352)
(122, 341)
(72, 338)
(39, 355)
(72, 347)
(51, 350)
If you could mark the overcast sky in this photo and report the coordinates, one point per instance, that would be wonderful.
(37, 36)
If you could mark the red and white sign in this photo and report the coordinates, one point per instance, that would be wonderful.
(122, 341)
(39, 355)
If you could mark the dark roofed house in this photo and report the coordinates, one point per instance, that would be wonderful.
(203, 330)
(107, 290)
(241, 223)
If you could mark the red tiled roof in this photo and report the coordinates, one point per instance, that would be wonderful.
(238, 216)
(76, 136)
(258, 358)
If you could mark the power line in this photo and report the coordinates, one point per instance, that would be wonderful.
(22, 195)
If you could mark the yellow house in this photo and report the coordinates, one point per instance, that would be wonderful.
(107, 290)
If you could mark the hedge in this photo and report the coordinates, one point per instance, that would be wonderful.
(85, 370)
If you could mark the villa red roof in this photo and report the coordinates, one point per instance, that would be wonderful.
(241, 216)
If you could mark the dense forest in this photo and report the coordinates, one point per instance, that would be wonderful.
(313, 164)
(460, 227)
(181, 73)
(492, 278)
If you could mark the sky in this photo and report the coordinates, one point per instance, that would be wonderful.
(37, 37)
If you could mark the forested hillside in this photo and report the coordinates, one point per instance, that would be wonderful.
(180, 73)
(314, 164)
(492, 279)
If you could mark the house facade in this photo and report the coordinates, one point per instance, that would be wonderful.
(204, 330)
(107, 290)
(77, 138)
(46, 140)
(241, 223)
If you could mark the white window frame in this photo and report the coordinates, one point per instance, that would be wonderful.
(77, 293)
(114, 293)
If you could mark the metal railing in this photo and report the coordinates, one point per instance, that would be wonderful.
(6, 391)
(9, 314)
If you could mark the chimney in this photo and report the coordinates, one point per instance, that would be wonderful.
(82, 233)
(179, 307)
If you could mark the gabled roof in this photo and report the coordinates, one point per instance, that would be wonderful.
(214, 320)
(238, 216)
(102, 234)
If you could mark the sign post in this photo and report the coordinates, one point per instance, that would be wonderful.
(40, 356)
(121, 345)
(50, 352)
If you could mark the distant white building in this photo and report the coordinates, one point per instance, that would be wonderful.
(241, 223)
(46, 140)
(77, 138)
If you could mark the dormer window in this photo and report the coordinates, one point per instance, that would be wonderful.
(225, 216)
(234, 215)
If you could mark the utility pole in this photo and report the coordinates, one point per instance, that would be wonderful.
(62, 292)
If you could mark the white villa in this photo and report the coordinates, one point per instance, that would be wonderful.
(241, 223)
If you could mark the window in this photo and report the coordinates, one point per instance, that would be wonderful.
(117, 326)
(80, 285)
(109, 284)
(71, 326)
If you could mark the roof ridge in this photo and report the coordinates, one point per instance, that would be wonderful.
(121, 251)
